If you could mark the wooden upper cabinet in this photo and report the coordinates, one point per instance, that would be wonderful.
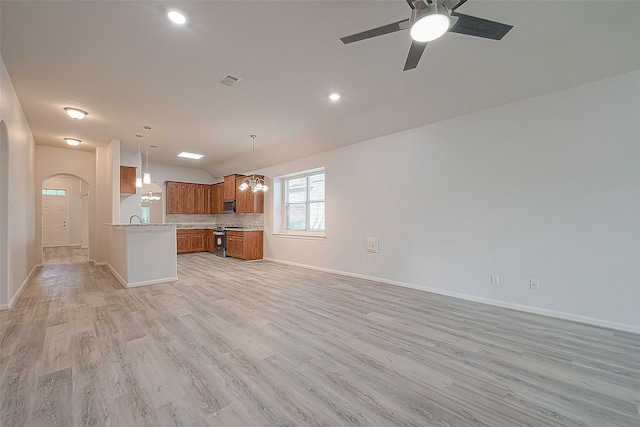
(229, 189)
(201, 199)
(216, 198)
(174, 198)
(187, 198)
(127, 180)
(247, 201)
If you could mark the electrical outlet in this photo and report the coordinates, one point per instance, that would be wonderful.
(494, 279)
(534, 285)
(372, 244)
(370, 261)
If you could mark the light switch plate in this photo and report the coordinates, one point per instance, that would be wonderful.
(372, 244)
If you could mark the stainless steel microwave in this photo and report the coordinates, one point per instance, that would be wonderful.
(229, 206)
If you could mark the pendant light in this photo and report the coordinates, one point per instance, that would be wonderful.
(139, 170)
(147, 176)
(252, 182)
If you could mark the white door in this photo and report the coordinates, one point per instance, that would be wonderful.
(54, 222)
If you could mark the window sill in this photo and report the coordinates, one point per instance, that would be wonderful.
(307, 236)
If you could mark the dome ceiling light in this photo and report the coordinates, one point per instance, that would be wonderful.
(73, 141)
(75, 113)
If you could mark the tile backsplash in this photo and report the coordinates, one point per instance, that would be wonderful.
(243, 220)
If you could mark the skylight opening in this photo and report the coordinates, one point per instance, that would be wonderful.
(191, 155)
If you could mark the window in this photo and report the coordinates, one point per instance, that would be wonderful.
(299, 207)
(53, 192)
(304, 203)
(146, 214)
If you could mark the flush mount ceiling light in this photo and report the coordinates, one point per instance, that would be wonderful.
(176, 17)
(191, 155)
(334, 96)
(253, 182)
(73, 141)
(430, 22)
(75, 113)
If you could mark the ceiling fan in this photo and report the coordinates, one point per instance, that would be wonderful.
(429, 20)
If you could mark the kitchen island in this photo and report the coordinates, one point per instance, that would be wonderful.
(143, 254)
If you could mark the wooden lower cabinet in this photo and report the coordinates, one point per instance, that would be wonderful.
(245, 245)
(211, 242)
(182, 242)
(192, 240)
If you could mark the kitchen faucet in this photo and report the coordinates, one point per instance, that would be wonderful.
(135, 216)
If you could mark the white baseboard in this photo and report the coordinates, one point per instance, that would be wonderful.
(152, 282)
(21, 289)
(504, 304)
(116, 274)
(138, 284)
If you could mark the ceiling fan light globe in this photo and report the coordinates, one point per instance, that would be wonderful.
(430, 27)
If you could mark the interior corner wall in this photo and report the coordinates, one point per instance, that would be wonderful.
(18, 233)
(544, 189)
(113, 163)
(103, 205)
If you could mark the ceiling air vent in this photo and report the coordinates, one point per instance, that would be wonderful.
(229, 80)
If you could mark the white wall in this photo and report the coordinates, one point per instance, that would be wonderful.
(547, 189)
(17, 218)
(52, 161)
(72, 186)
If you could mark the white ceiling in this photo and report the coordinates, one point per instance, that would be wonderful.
(128, 66)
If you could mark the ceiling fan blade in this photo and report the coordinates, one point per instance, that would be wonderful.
(415, 53)
(479, 27)
(385, 29)
(459, 4)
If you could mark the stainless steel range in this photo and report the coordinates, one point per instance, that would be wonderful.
(220, 247)
(220, 239)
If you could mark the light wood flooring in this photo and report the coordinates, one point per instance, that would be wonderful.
(263, 344)
(64, 255)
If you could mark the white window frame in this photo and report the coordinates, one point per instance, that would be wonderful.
(280, 206)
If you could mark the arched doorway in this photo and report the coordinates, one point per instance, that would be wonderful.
(65, 219)
(4, 214)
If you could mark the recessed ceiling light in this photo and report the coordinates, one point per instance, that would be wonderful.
(191, 155)
(75, 113)
(73, 142)
(334, 97)
(177, 17)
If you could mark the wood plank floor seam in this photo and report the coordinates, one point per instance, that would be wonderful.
(265, 344)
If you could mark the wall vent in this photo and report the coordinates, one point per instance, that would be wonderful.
(229, 80)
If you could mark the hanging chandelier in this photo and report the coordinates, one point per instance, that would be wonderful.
(253, 182)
